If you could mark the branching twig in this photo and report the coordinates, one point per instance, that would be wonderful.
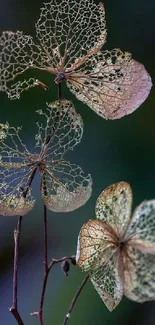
(74, 300)
(46, 274)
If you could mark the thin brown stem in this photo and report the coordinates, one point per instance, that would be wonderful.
(45, 240)
(14, 308)
(59, 91)
(68, 314)
(40, 313)
(46, 269)
(17, 233)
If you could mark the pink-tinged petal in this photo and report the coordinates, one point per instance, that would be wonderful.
(111, 83)
(93, 241)
(97, 254)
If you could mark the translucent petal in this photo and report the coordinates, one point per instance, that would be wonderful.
(107, 282)
(111, 83)
(16, 206)
(70, 30)
(142, 227)
(97, 254)
(139, 275)
(114, 206)
(66, 187)
(17, 88)
(61, 131)
(15, 173)
(94, 239)
(18, 53)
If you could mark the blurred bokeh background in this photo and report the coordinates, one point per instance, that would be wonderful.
(110, 150)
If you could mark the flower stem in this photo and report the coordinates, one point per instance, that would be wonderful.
(68, 314)
(59, 91)
(14, 308)
(46, 269)
(45, 240)
(17, 233)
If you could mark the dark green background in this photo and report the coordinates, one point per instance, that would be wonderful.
(110, 150)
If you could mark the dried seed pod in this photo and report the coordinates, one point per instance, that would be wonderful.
(65, 266)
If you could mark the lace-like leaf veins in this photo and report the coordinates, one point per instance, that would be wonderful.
(118, 250)
(70, 35)
(64, 186)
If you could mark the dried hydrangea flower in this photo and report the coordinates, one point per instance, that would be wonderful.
(63, 185)
(118, 250)
(70, 35)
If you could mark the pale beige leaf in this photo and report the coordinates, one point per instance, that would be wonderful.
(93, 241)
(71, 31)
(62, 128)
(97, 254)
(114, 206)
(15, 173)
(18, 53)
(16, 206)
(67, 188)
(139, 275)
(111, 83)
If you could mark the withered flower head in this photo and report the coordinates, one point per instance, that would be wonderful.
(118, 250)
(63, 185)
(69, 38)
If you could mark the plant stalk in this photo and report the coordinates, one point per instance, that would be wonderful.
(17, 233)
